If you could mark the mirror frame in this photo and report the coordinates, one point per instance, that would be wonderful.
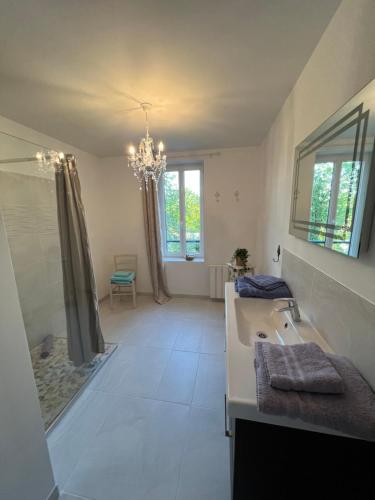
(350, 114)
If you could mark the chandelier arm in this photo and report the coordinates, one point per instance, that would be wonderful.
(147, 125)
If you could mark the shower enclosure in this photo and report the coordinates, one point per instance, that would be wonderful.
(28, 207)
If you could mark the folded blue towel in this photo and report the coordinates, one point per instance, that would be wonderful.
(264, 281)
(122, 277)
(123, 274)
(245, 289)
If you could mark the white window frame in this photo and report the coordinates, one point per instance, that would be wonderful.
(337, 160)
(181, 168)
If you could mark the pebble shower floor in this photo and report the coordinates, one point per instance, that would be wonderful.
(58, 380)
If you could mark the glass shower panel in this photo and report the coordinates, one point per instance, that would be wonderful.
(28, 206)
(29, 211)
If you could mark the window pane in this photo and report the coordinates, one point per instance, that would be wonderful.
(193, 211)
(172, 212)
(320, 200)
(347, 195)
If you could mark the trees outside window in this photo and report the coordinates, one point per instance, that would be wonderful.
(181, 211)
(333, 198)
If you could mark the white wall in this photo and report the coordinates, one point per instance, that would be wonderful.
(228, 223)
(342, 63)
(25, 470)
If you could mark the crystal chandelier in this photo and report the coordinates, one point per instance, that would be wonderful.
(49, 158)
(146, 162)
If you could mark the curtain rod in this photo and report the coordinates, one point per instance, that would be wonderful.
(193, 155)
(47, 157)
(18, 160)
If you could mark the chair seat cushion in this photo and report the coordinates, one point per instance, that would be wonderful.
(123, 277)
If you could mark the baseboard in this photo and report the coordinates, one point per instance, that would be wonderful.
(177, 295)
(106, 297)
(189, 296)
(54, 495)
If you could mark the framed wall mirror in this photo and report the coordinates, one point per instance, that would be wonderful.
(334, 180)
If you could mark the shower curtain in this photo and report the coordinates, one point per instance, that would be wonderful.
(153, 242)
(84, 334)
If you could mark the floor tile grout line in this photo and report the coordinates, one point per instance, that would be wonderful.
(196, 377)
(96, 431)
(195, 380)
(183, 454)
(155, 398)
(79, 497)
(121, 341)
(102, 425)
(164, 370)
(139, 396)
(196, 370)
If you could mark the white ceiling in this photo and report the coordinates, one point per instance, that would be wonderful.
(216, 71)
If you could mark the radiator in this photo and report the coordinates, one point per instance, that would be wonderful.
(218, 277)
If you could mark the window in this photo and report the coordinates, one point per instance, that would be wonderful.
(336, 184)
(181, 211)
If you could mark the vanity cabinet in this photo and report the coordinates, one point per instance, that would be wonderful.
(270, 462)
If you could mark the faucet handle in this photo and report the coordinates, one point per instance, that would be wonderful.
(290, 300)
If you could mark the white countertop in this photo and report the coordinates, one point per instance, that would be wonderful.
(241, 378)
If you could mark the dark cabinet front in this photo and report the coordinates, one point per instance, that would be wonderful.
(271, 462)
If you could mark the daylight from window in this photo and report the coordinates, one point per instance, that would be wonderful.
(334, 194)
(182, 212)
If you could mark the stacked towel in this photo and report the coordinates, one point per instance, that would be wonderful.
(301, 367)
(264, 282)
(122, 277)
(351, 412)
(262, 287)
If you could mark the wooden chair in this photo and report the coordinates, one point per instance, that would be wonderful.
(126, 263)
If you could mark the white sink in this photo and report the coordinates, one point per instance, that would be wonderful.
(257, 321)
(246, 320)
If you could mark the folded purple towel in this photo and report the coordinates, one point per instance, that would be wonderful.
(300, 367)
(352, 412)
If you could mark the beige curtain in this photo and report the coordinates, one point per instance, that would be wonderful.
(153, 242)
(84, 334)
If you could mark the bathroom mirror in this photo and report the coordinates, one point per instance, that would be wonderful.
(334, 180)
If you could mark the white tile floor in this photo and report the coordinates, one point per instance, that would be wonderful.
(150, 426)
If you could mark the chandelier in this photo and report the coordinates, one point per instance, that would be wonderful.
(49, 158)
(146, 162)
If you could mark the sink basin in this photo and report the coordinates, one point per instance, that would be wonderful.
(247, 321)
(257, 321)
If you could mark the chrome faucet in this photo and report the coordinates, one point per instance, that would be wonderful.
(292, 307)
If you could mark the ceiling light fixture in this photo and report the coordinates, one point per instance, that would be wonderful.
(146, 162)
(49, 158)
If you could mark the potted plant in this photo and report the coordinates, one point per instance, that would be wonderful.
(240, 256)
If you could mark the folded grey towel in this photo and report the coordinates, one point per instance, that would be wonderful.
(300, 367)
(352, 412)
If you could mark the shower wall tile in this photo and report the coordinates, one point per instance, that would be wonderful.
(299, 276)
(15, 190)
(346, 320)
(50, 244)
(28, 206)
(53, 272)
